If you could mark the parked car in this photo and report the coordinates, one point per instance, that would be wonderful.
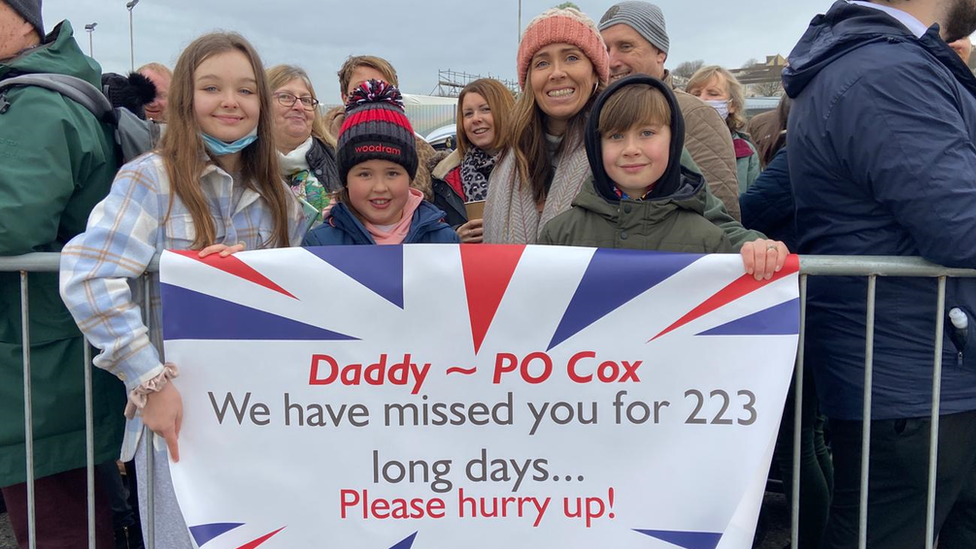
(443, 138)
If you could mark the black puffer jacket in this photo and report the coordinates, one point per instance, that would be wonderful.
(322, 160)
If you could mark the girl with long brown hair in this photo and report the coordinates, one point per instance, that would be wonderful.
(563, 65)
(213, 186)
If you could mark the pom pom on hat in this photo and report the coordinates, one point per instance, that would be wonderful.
(132, 92)
(374, 91)
(376, 128)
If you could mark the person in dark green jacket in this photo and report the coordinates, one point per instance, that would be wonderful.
(56, 162)
(641, 196)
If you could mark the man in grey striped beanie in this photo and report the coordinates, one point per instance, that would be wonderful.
(647, 21)
(638, 43)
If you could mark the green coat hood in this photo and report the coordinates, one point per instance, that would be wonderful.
(58, 54)
(689, 196)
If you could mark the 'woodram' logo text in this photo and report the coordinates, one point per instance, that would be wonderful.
(377, 148)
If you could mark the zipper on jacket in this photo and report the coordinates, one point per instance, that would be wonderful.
(959, 321)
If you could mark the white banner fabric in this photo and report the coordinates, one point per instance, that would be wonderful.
(440, 396)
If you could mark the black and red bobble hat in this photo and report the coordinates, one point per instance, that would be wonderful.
(376, 128)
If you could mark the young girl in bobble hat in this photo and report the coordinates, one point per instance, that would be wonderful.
(377, 159)
(212, 186)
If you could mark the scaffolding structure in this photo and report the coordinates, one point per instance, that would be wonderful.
(450, 82)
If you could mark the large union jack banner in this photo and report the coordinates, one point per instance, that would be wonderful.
(442, 396)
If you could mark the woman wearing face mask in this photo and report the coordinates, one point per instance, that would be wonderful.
(483, 118)
(562, 66)
(720, 89)
(306, 151)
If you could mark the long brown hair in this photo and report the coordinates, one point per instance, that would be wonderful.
(769, 147)
(279, 75)
(533, 163)
(500, 102)
(182, 146)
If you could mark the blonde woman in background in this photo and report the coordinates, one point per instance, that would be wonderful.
(719, 88)
(306, 151)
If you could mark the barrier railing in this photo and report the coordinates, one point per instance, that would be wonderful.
(870, 267)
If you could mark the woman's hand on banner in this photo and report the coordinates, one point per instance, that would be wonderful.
(471, 232)
(163, 414)
(763, 258)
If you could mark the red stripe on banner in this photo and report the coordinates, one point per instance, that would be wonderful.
(487, 273)
(394, 116)
(740, 287)
(236, 267)
(260, 540)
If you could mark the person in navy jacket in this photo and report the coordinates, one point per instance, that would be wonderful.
(882, 162)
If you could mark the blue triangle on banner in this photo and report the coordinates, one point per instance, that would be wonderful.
(407, 543)
(194, 315)
(379, 268)
(206, 532)
(613, 278)
(782, 319)
(688, 540)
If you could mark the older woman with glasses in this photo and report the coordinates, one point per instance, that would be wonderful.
(306, 151)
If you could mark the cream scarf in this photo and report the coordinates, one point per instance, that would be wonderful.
(295, 161)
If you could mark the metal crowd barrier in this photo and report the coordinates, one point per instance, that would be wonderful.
(870, 267)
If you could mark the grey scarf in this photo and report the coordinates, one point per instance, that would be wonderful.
(511, 214)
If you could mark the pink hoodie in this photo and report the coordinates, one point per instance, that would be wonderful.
(398, 233)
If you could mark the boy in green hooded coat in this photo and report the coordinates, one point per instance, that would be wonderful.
(641, 196)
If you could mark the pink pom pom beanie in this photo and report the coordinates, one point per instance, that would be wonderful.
(568, 26)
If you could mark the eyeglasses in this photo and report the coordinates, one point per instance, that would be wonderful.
(286, 99)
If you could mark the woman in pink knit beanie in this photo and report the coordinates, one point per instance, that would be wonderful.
(562, 66)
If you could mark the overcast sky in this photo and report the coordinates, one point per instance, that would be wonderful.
(417, 36)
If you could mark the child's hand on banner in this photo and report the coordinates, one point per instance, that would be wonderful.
(764, 258)
(223, 249)
(163, 414)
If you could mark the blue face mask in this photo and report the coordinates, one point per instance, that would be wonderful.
(220, 148)
(719, 105)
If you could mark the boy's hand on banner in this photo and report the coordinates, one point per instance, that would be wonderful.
(163, 414)
(763, 258)
(223, 249)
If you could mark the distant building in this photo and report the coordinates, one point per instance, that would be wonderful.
(763, 79)
(759, 105)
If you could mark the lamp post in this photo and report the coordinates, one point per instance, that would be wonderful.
(132, 41)
(90, 27)
(518, 36)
